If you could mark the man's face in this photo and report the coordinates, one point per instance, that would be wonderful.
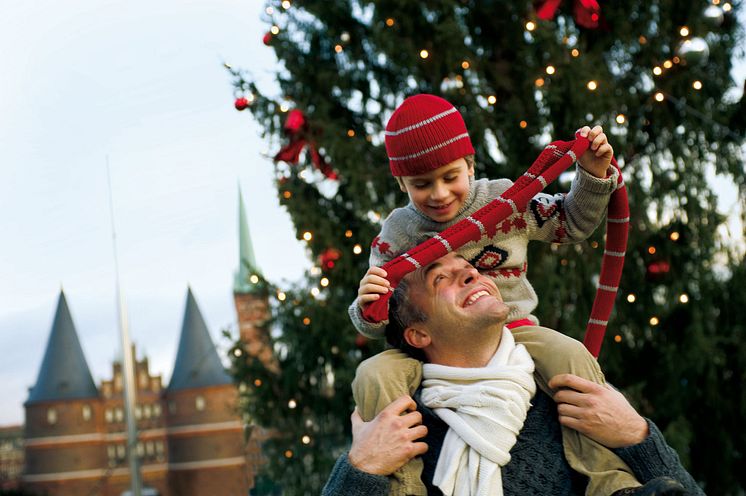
(461, 304)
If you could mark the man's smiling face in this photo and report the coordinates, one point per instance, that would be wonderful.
(460, 302)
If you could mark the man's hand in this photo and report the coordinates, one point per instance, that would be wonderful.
(600, 412)
(372, 286)
(387, 442)
(597, 158)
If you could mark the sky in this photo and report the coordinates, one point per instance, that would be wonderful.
(140, 85)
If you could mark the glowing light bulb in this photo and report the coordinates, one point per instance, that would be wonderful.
(550, 69)
(592, 85)
(631, 298)
(530, 26)
(424, 54)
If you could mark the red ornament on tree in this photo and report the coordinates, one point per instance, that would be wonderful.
(295, 122)
(587, 13)
(361, 341)
(267, 38)
(657, 270)
(296, 128)
(328, 257)
(241, 103)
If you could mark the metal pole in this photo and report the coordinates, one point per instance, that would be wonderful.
(128, 369)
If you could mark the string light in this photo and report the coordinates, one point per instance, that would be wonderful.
(284, 107)
(287, 195)
(657, 71)
(465, 64)
(338, 48)
(237, 352)
(306, 439)
(592, 85)
(697, 85)
(348, 233)
(674, 236)
(651, 250)
(424, 54)
(594, 244)
(684, 31)
(550, 69)
(390, 22)
(288, 453)
(281, 296)
(631, 298)
(257, 382)
(523, 124)
(654, 321)
(324, 282)
(620, 119)
(269, 10)
(676, 60)
(254, 278)
(292, 404)
(642, 40)
(351, 133)
(530, 26)
(539, 82)
(285, 4)
(667, 64)
(307, 236)
(274, 29)
(306, 320)
(357, 249)
(491, 99)
(659, 97)
(315, 292)
(618, 338)
(727, 7)
(684, 298)
(575, 52)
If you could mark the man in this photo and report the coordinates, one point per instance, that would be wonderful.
(454, 316)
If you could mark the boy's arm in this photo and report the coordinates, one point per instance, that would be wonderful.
(573, 217)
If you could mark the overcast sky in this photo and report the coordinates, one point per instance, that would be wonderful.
(142, 84)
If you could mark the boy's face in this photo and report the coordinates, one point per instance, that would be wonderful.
(440, 193)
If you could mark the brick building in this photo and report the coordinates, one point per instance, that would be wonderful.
(191, 438)
(11, 456)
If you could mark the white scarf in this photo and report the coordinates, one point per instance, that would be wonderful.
(485, 409)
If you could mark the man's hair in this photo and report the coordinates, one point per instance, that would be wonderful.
(403, 313)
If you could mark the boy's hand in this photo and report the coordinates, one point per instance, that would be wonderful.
(597, 158)
(372, 286)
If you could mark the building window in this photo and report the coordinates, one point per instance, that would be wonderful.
(119, 414)
(157, 410)
(149, 448)
(111, 451)
(138, 412)
(109, 415)
(199, 403)
(147, 410)
(52, 416)
(86, 412)
(120, 451)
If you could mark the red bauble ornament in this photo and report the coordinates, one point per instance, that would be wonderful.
(295, 121)
(328, 258)
(361, 341)
(267, 38)
(241, 103)
(657, 270)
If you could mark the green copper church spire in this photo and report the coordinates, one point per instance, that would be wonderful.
(248, 278)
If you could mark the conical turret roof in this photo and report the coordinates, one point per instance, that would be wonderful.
(197, 361)
(64, 372)
(248, 277)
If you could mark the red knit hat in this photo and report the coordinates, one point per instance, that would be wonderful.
(424, 133)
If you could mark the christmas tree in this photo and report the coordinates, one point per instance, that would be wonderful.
(654, 73)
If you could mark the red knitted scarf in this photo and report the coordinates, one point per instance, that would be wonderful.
(553, 160)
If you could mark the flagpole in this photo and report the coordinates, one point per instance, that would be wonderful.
(128, 369)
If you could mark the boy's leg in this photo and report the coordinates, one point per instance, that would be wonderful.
(554, 353)
(379, 380)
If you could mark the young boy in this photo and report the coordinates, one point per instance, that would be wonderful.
(432, 159)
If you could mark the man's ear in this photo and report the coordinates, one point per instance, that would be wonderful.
(401, 184)
(416, 337)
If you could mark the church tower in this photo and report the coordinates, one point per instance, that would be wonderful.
(250, 294)
(63, 450)
(206, 447)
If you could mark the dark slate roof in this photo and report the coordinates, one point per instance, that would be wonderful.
(197, 361)
(64, 372)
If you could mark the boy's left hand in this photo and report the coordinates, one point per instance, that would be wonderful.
(597, 158)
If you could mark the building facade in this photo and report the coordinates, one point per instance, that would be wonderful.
(190, 436)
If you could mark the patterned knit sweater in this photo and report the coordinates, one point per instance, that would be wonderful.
(502, 253)
(537, 466)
